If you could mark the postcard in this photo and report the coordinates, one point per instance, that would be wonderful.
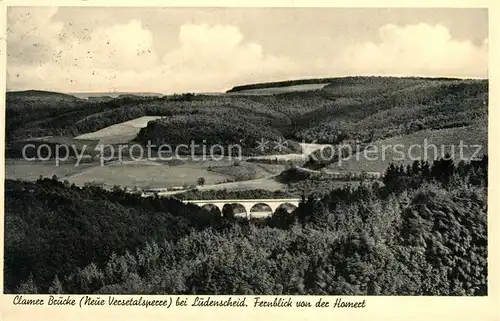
(296, 160)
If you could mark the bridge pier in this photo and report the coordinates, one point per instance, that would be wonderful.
(274, 207)
(248, 207)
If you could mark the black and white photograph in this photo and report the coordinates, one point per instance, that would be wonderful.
(258, 151)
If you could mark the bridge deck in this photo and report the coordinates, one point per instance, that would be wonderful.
(274, 200)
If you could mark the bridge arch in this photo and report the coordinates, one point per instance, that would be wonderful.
(260, 210)
(210, 207)
(289, 207)
(237, 209)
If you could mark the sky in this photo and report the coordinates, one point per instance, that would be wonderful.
(173, 50)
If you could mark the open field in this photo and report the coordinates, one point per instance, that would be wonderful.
(146, 176)
(260, 183)
(279, 90)
(119, 133)
(246, 171)
(32, 170)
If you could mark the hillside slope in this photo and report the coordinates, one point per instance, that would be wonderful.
(403, 150)
(369, 113)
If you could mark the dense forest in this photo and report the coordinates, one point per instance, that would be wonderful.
(370, 115)
(215, 121)
(352, 108)
(422, 231)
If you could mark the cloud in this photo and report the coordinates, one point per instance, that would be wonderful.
(420, 50)
(32, 34)
(219, 54)
(121, 57)
(47, 57)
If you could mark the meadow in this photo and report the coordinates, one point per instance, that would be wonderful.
(279, 90)
(151, 174)
(120, 133)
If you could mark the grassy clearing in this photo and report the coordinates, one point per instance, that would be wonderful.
(242, 171)
(149, 174)
(120, 133)
(146, 176)
(32, 170)
(279, 90)
(261, 183)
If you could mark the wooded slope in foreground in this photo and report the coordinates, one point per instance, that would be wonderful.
(423, 233)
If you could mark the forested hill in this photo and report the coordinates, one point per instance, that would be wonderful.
(373, 108)
(351, 108)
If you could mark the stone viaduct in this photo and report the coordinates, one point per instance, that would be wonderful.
(250, 205)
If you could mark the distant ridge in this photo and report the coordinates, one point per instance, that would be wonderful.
(310, 81)
(87, 95)
(40, 95)
(37, 93)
